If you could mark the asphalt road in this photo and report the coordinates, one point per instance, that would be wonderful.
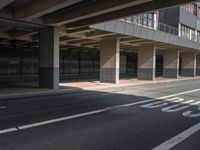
(154, 116)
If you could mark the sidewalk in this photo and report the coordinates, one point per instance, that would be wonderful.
(96, 85)
(73, 87)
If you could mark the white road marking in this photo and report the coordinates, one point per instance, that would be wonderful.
(189, 113)
(175, 108)
(8, 130)
(155, 105)
(179, 138)
(3, 107)
(160, 103)
(186, 92)
(90, 113)
(62, 119)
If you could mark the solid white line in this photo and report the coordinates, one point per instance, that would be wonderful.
(91, 112)
(186, 92)
(179, 138)
(8, 130)
(3, 107)
(61, 119)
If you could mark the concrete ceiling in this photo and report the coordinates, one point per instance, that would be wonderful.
(64, 12)
(20, 20)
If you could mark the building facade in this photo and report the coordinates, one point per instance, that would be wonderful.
(84, 62)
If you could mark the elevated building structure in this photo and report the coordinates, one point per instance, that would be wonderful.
(46, 42)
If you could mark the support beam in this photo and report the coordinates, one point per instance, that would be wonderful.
(38, 8)
(80, 30)
(4, 3)
(66, 39)
(89, 9)
(146, 62)
(109, 60)
(81, 41)
(188, 61)
(17, 33)
(171, 63)
(120, 13)
(49, 58)
(98, 33)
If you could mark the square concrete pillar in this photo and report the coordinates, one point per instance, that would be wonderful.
(146, 62)
(198, 65)
(171, 63)
(188, 64)
(49, 58)
(109, 60)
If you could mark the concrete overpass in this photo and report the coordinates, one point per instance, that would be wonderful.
(22, 20)
(62, 12)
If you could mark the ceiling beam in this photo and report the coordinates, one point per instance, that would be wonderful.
(99, 33)
(4, 28)
(5, 35)
(81, 41)
(17, 33)
(90, 44)
(66, 39)
(89, 9)
(132, 39)
(38, 8)
(79, 30)
(21, 24)
(4, 3)
(133, 10)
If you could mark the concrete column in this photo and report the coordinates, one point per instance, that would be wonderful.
(146, 62)
(109, 60)
(198, 65)
(49, 58)
(171, 64)
(188, 64)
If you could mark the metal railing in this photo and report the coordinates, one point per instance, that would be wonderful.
(156, 25)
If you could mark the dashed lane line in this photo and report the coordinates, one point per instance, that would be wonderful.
(3, 107)
(88, 113)
(8, 130)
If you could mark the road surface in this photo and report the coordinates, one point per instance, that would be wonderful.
(155, 116)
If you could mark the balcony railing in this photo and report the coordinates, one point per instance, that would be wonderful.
(155, 25)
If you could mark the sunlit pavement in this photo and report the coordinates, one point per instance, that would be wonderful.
(141, 117)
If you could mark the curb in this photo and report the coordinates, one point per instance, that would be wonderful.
(73, 90)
